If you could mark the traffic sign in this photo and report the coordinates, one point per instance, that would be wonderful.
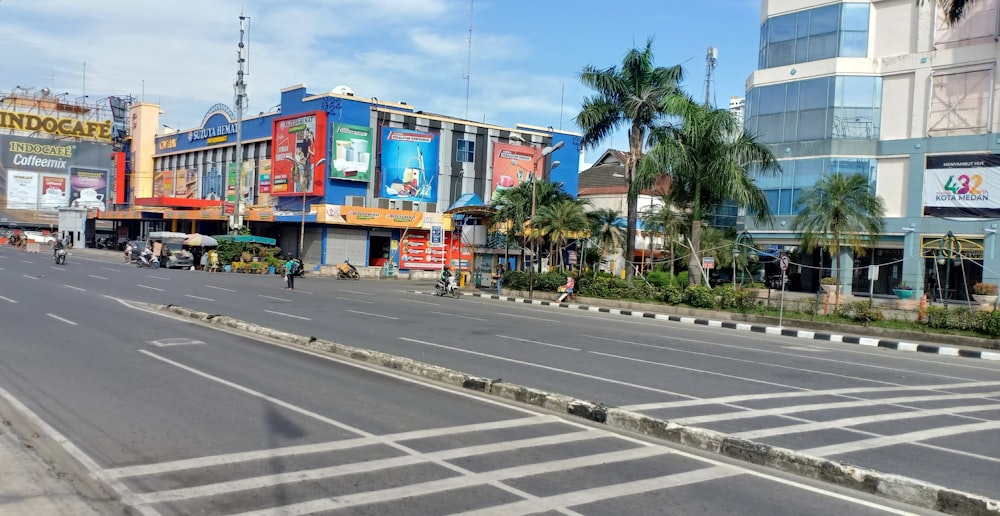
(784, 260)
(708, 262)
(437, 235)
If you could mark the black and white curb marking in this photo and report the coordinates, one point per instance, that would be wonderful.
(771, 330)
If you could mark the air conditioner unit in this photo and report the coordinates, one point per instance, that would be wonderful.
(430, 207)
(406, 205)
(354, 200)
(385, 204)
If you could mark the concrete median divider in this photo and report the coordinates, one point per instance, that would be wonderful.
(908, 490)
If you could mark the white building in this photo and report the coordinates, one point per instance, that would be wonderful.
(737, 106)
(886, 89)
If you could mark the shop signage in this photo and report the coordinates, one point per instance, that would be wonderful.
(373, 217)
(352, 145)
(211, 133)
(167, 144)
(52, 125)
(437, 235)
(962, 185)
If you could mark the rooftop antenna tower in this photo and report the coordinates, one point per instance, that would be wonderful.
(240, 88)
(468, 61)
(711, 59)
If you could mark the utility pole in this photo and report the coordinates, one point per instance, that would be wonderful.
(711, 59)
(241, 92)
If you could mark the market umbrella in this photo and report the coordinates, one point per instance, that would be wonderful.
(199, 240)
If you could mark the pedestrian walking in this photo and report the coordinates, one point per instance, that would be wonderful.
(290, 266)
(933, 286)
(499, 276)
(213, 261)
(128, 253)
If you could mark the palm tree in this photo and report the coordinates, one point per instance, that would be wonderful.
(560, 222)
(839, 210)
(605, 231)
(665, 220)
(708, 160)
(954, 10)
(631, 97)
(514, 205)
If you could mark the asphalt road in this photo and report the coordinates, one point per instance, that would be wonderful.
(225, 404)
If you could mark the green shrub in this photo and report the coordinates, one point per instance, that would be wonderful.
(673, 295)
(641, 290)
(726, 295)
(682, 279)
(746, 299)
(992, 326)
(699, 296)
(829, 280)
(660, 279)
(861, 311)
(516, 280)
(549, 281)
(604, 286)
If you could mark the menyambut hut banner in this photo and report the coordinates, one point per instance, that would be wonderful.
(960, 186)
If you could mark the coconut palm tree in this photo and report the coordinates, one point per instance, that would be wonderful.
(514, 205)
(628, 98)
(954, 10)
(559, 222)
(667, 221)
(708, 160)
(606, 231)
(840, 211)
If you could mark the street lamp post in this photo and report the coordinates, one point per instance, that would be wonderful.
(534, 206)
(947, 250)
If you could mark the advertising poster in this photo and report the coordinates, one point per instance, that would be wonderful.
(168, 183)
(22, 190)
(299, 153)
(409, 165)
(54, 193)
(352, 152)
(191, 184)
(248, 179)
(88, 187)
(212, 185)
(961, 186)
(158, 183)
(417, 251)
(512, 164)
(264, 183)
(231, 181)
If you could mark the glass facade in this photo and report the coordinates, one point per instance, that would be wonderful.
(816, 109)
(839, 30)
(783, 190)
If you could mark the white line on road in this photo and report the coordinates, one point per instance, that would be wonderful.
(417, 301)
(2, 269)
(456, 315)
(355, 292)
(110, 269)
(56, 317)
(26, 261)
(75, 288)
(536, 342)
(7, 299)
(907, 438)
(57, 268)
(157, 277)
(96, 276)
(275, 298)
(29, 277)
(199, 297)
(527, 317)
(151, 288)
(356, 300)
(220, 288)
(371, 314)
(288, 315)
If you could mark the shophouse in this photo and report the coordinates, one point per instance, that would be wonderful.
(888, 90)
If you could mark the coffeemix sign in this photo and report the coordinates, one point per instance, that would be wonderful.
(44, 174)
(31, 122)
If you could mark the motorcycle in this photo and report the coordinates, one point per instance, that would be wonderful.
(451, 287)
(347, 270)
(60, 256)
(147, 260)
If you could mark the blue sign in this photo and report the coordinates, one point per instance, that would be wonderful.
(409, 165)
(437, 235)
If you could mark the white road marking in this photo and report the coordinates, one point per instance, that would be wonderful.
(110, 269)
(29, 277)
(275, 298)
(356, 300)
(371, 314)
(418, 301)
(56, 317)
(288, 315)
(26, 261)
(157, 277)
(98, 277)
(220, 288)
(456, 315)
(2, 269)
(907, 438)
(7, 299)
(150, 288)
(537, 342)
(527, 317)
(176, 341)
(355, 292)
(549, 368)
(199, 297)
(75, 288)
(57, 268)
(691, 369)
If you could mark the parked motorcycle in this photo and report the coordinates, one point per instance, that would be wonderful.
(60, 256)
(347, 270)
(451, 287)
(147, 260)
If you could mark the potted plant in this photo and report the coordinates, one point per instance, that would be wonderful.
(985, 293)
(903, 291)
(828, 284)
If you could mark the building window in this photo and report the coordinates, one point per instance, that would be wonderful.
(839, 30)
(797, 175)
(465, 151)
(816, 109)
(979, 22)
(960, 103)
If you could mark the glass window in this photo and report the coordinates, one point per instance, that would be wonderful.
(802, 25)
(813, 93)
(824, 20)
(807, 172)
(854, 44)
(823, 46)
(781, 28)
(855, 17)
(772, 200)
(855, 91)
(771, 99)
(780, 54)
(838, 30)
(465, 151)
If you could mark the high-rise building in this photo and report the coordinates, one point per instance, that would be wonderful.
(737, 106)
(889, 90)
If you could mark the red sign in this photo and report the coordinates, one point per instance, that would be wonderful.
(512, 164)
(299, 155)
(230, 208)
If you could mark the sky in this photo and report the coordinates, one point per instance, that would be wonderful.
(526, 56)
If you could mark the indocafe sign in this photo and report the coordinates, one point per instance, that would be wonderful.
(31, 122)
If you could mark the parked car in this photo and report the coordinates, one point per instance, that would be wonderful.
(38, 236)
(177, 257)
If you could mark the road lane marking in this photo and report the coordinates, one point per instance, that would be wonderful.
(456, 315)
(199, 297)
(288, 315)
(418, 301)
(175, 341)
(693, 370)
(537, 342)
(75, 288)
(29, 277)
(220, 288)
(550, 368)
(56, 317)
(275, 298)
(907, 438)
(355, 292)
(371, 314)
(157, 277)
(7, 299)
(110, 269)
(57, 268)
(527, 317)
(151, 288)
(356, 300)
(26, 261)
(96, 276)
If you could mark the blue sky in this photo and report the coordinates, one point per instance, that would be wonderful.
(526, 55)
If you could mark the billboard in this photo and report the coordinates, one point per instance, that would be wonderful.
(512, 164)
(409, 165)
(43, 174)
(960, 185)
(352, 152)
(299, 153)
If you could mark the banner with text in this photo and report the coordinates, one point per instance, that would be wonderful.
(512, 164)
(409, 162)
(960, 186)
(44, 174)
(352, 152)
(299, 154)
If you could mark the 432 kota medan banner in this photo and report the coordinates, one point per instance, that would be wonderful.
(962, 186)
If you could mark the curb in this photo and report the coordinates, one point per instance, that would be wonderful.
(896, 487)
(772, 330)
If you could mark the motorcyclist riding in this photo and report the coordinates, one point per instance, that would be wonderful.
(445, 274)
